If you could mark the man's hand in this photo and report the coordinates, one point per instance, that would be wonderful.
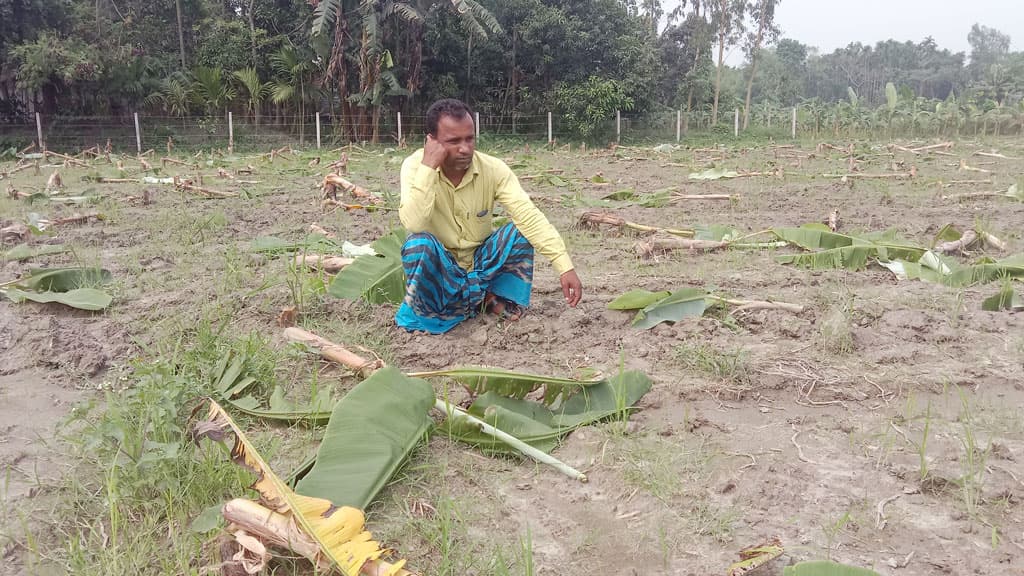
(572, 288)
(434, 153)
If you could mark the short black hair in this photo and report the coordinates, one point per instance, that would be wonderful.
(446, 107)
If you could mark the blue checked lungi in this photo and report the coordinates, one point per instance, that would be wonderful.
(439, 294)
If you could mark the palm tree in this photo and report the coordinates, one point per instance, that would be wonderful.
(174, 95)
(294, 83)
(256, 90)
(210, 90)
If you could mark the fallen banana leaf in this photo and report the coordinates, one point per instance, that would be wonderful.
(334, 352)
(377, 279)
(714, 174)
(372, 431)
(81, 298)
(480, 379)
(337, 531)
(955, 275)
(25, 252)
(64, 279)
(658, 307)
(753, 557)
(834, 250)
(826, 568)
(685, 303)
(541, 426)
(315, 243)
(1005, 299)
(637, 299)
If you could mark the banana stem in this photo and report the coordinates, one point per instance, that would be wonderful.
(456, 413)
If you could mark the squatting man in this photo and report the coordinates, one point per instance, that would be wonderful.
(455, 263)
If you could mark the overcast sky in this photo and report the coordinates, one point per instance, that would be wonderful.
(831, 24)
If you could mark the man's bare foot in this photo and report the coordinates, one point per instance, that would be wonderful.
(502, 308)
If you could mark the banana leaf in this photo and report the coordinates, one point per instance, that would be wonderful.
(684, 303)
(958, 276)
(637, 299)
(832, 250)
(753, 557)
(716, 233)
(826, 568)
(481, 379)
(1005, 299)
(948, 233)
(81, 298)
(371, 432)
(814, 236)
(337, 529)
(316, 243)
(25, 252)
(63, 279)
(714, 174)
(1016, 191)
(542, 426)
(377, 279)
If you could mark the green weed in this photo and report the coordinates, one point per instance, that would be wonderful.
(726, 365)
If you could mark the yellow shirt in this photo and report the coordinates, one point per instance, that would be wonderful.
(460, 216)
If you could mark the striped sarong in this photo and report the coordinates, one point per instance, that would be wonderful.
(439, 294)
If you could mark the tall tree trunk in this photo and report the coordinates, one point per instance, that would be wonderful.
(753, 61)
(412, 83)
(252, 29)
(718, 76)
(181, 33)
(337, 69)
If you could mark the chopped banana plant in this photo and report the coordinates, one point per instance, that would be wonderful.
(332, 537)
(595, 219)
(753, 557)
(665, 306)
(498, 423)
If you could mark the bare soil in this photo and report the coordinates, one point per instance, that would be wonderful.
(808, 427)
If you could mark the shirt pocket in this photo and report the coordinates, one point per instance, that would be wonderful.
(479, 219)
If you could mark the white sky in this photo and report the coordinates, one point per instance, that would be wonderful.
(831, 24)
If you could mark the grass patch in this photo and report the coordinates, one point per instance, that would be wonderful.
(731, 366)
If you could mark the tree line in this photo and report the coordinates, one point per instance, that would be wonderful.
(357, 60)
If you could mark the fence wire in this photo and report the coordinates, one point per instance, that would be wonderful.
(245, 132)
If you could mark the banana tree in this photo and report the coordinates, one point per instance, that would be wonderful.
(376, 78)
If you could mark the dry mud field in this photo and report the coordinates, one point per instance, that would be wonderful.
(880, 427)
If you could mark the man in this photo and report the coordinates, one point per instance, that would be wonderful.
(455, 264)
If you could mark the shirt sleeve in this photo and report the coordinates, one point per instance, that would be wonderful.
(418, 192)
(532, 222)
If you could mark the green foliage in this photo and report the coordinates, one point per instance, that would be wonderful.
(1006, 299)
(541, 426)
(211, 90)
(588, 107)
(377, 279)
(53, 61)
(479, 379)
(26, 252)
(372, 431)
(71, 287)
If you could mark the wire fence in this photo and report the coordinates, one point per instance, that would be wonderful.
(139, 132)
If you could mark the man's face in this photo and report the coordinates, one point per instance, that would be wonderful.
(458, 136)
